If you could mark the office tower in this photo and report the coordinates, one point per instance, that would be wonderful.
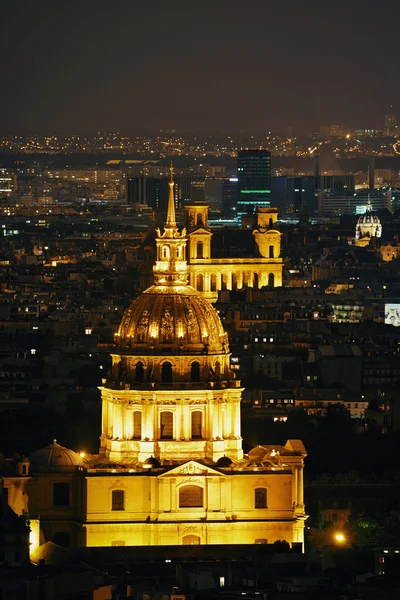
(301, 194)
(7, 183)
(254, 175)
(341, 184)
(229, 196)
(153, 191)
(390, 124)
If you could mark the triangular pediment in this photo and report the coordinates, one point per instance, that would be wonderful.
(192, 467)
(200, 231)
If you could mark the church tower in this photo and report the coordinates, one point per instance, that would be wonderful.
(171, 394)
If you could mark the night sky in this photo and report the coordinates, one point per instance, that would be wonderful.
(221, 65)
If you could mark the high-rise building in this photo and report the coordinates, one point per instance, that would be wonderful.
(7, 183)
(229, 196)
(390, 124)
(153, 191)
(254, 185)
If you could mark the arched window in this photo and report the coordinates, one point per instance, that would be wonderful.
(191, 540)
(62, 538)
(200, 283)
(195, 372)
(271, 280)
(165, 252)
(166, 425)
(139, 372)
(61, 494)
(260, 498)
(199, 250)
(197, 425)
(191, 496)
(213, 282)
(166, 372)
(199, 220)
(137, 425)
(271, 223)
(118, 500)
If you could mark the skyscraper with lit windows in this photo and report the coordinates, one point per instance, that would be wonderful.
(254, 180)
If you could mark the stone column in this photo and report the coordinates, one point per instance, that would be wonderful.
(235, 408)
(110, 415)
(210, 419)
(186, 422)
(218, 281)
(178, 433)
(220, 421)
(294, 487)
(300, 489)
(117, 420)
(128, 422)
(225, 421)
(104, 416)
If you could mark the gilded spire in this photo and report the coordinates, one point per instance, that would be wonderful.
(171, 219)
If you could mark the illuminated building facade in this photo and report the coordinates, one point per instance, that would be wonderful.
(210, 275)
(254, 180)
(171, 468)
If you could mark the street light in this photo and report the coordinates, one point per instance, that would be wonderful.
(340, 538)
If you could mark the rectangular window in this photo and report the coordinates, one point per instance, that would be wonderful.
(166, 425)
(61, 494)
(260, 498)
(117, 500)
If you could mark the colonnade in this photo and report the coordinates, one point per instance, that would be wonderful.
(204, 281)
(220, 418)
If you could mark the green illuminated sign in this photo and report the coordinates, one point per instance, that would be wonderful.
(255, 191)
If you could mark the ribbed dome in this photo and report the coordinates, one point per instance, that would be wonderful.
(55, 455)
(165, 316)
(368, 218)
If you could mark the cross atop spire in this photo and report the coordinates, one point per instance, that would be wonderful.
(171, 219)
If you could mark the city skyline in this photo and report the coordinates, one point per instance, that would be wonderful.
(197, 67)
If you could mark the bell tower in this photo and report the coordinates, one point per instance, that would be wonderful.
(171, 394)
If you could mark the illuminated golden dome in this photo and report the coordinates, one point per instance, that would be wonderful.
(172, 316)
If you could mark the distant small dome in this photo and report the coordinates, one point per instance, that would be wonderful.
(224, 461)
(151, 463)
(55, 456)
